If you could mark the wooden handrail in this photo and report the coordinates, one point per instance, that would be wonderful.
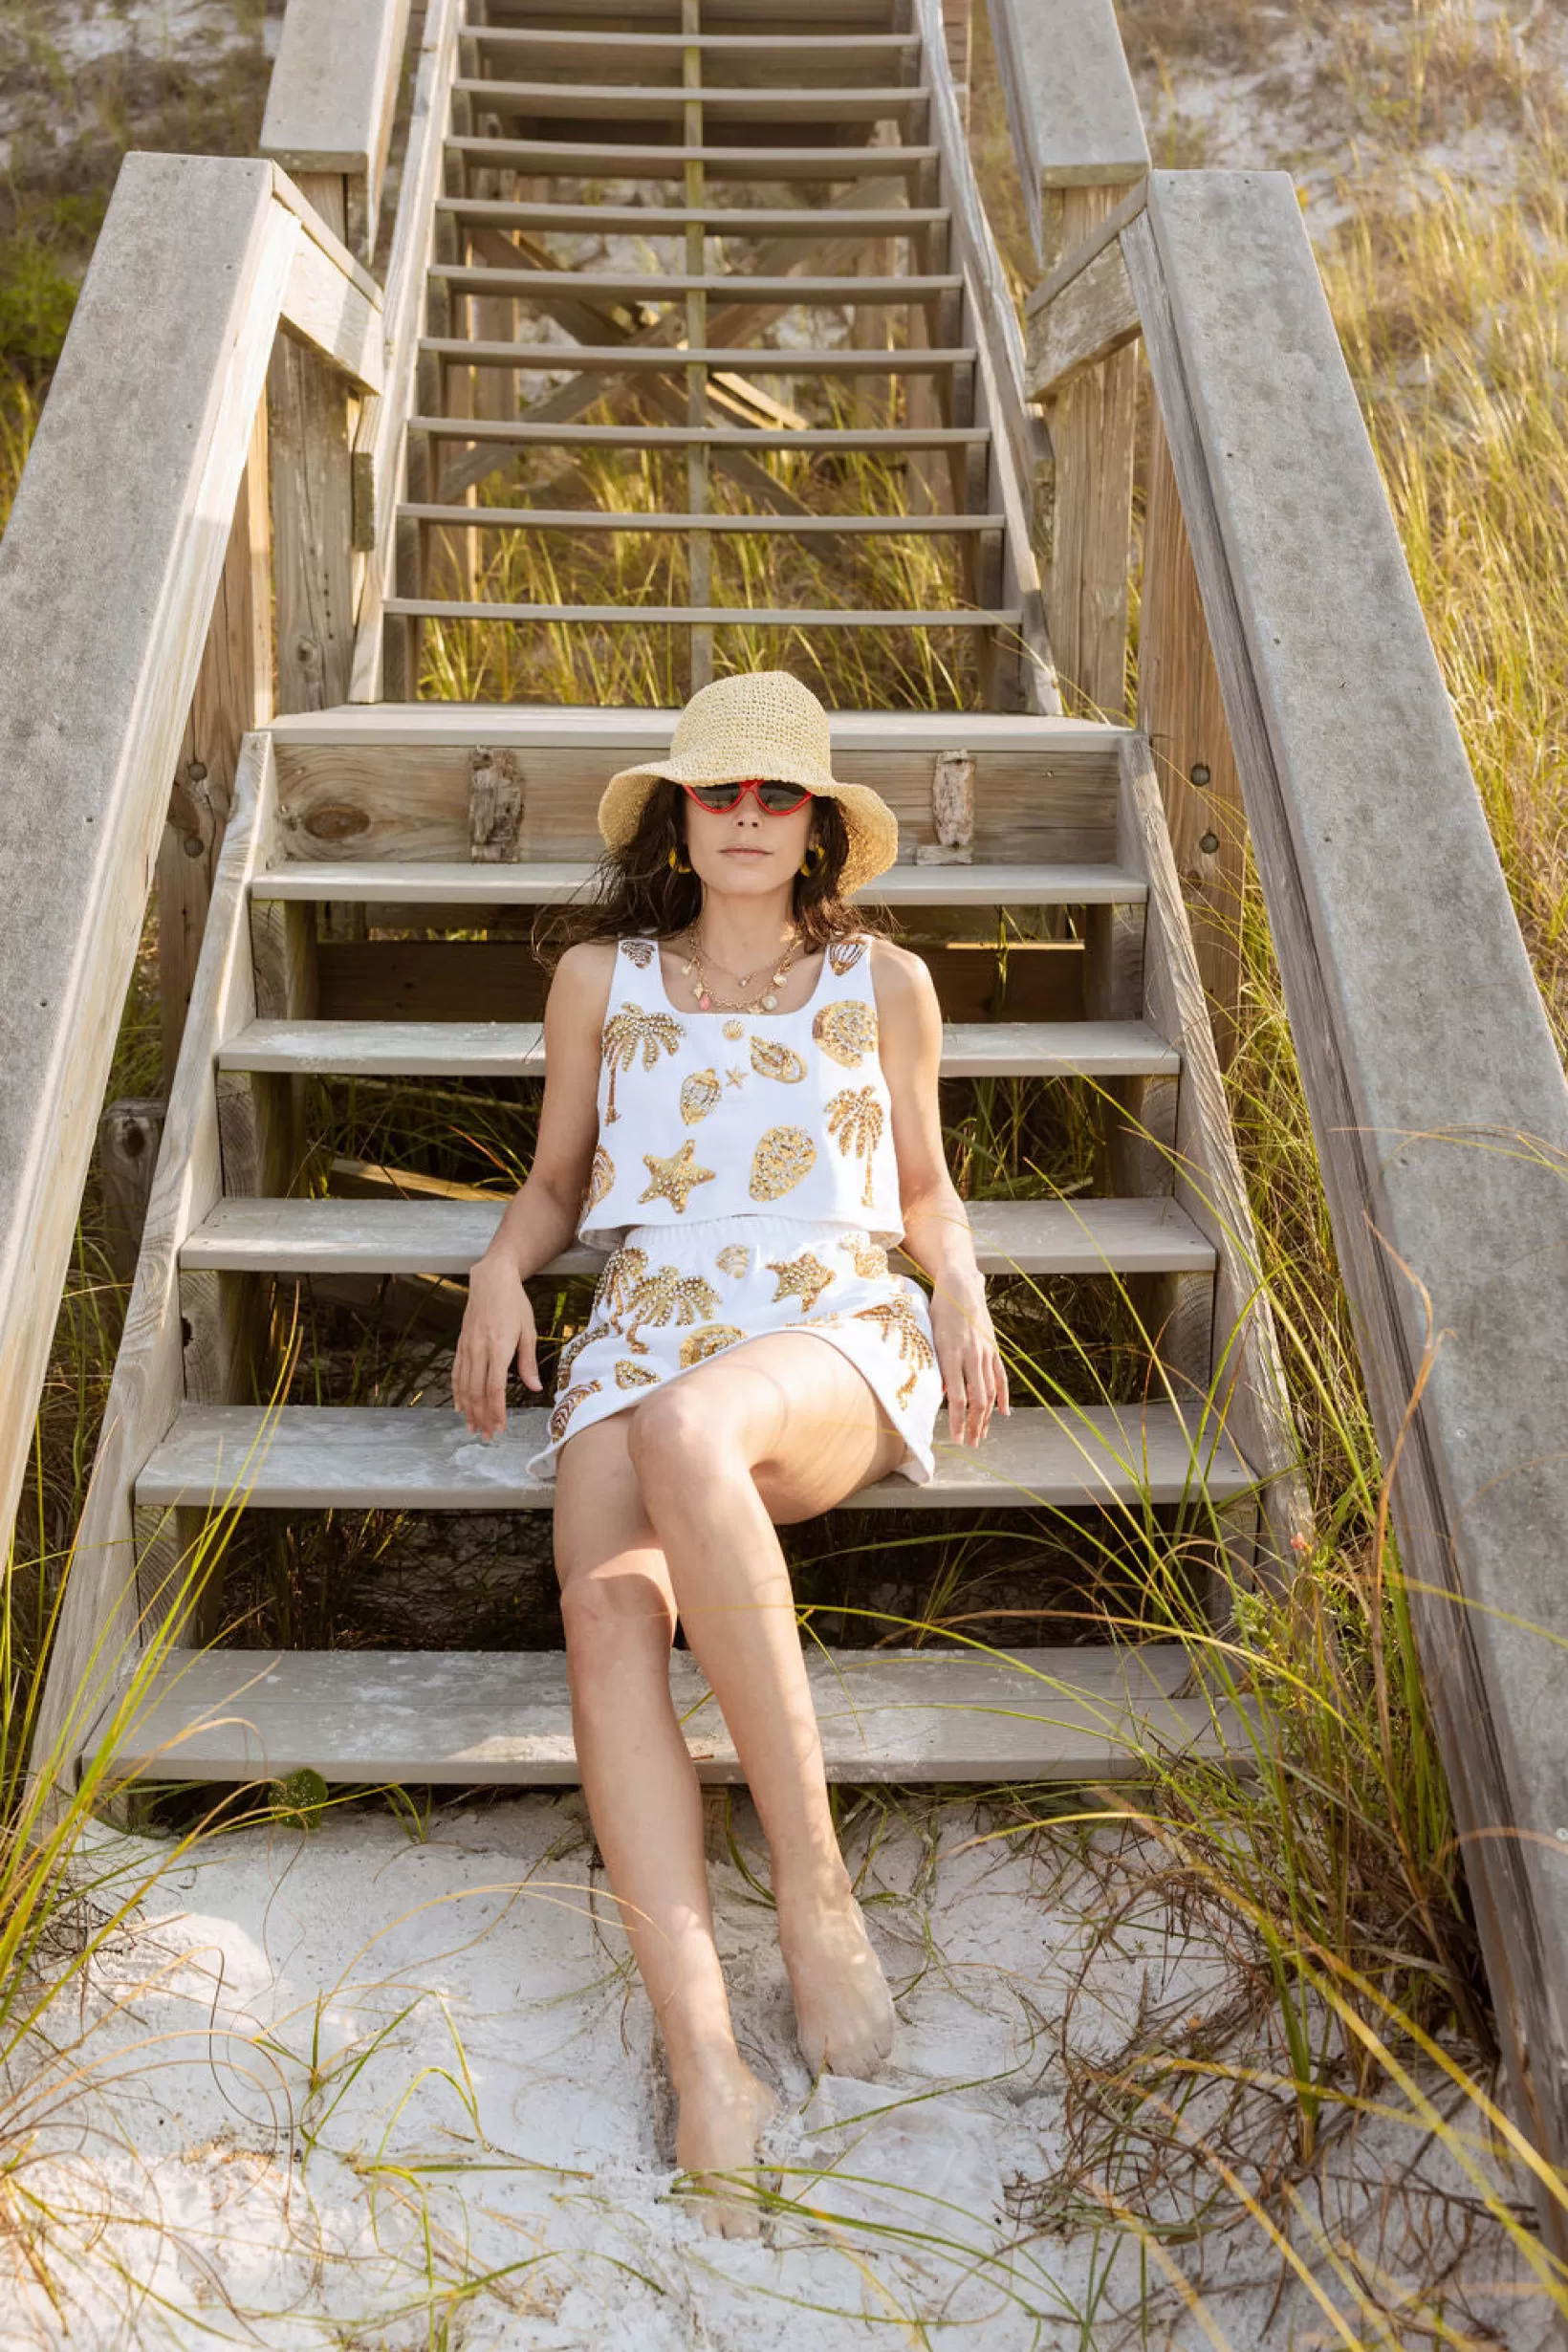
(109, 570)
(331, 105)
(1437, 1097)
(1071, 105)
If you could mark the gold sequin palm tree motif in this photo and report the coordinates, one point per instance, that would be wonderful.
(844, 954)
(781, 1160)
(698, 1092)
(771, 1060)
(673, 1178)
(668, 1296)
(869, 1257)
(631, 1032)
(855, 1117)
(896, 1319)
(601, 1180)
(846, 1032)
(622, 1272)
(710, 1341)
(804, 1277)
(567, 1406)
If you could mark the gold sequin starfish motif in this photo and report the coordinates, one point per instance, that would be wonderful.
(804, 1277)
(674, 1178)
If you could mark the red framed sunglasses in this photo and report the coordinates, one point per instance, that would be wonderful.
(778, 798)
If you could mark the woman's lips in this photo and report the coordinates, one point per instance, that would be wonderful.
(739, 852)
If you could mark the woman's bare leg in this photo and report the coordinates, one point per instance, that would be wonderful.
(644, 1800)
(776, 1429)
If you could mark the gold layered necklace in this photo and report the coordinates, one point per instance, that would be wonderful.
(695, 969)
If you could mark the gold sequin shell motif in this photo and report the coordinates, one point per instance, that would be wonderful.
(567, 1406)
(631, 1375)
(600, 1179)
(869, 1257)
(698, 1092)
(783, 1158)
(844, 954)
(846, 1032)
(734, 1031)
(675, 1178)
(804, 1277)
(640, 952)
(733, 1260)
(772, 1060)
(710, 1340)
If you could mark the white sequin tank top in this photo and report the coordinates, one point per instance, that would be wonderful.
(714, 1114)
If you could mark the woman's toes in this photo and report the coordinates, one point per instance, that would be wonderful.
(843, 2009)
(720, 2122)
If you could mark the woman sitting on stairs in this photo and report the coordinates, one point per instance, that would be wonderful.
(741, 1105)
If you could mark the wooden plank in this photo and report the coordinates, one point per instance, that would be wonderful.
(307, 1457)
(747, 359)
(336, 312)
(378, 1717)
(444, 1237)
(313, 528)
(112, 555)
(233, 693)
(670, 286)
(733, 616)
(129, 1134)
(805, 220)
(1181, 710)
(513, 433)
(606, 53)
(98, 1626)
(1239, 1363)
(799, 526)
(1062, 746)
(472, 886)
(332, 96)
(379, 450)
(515, 1049)
(1071, 103)
(1435, 1086)
(1094, 315)
(593, 102)
(348, 798)
(583, 159)
(1076, 258)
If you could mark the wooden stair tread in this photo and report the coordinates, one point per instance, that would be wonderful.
(730, 101)
(807, 221)
(739, 359)
(718, 523)
(739, 615)
(524, 435)
(445, 1236)
(935, 1714)
(310, 1457)
(409, 885)
(515, 1049)
(589, 159)
(639, 728)
(665, 286)
(593, 46)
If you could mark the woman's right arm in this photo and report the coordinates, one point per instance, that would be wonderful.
(540, 1219)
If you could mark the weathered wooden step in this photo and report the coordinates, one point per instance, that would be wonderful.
(593, 158)
(445, 1236)
(314, 1457)
(808, 222)
(821, 438)
(663, 286)
(707, 616)
(718, 523)
(384, 884)
(727, 103)
(936, 1713)
(743, 358)
(515, 1049)
(545, 45)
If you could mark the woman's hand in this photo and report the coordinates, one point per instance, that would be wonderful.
(967, 1356)
(497, 1326)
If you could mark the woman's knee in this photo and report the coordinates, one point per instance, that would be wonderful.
(615, 1619)
(684, 1431)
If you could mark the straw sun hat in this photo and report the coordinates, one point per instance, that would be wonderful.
(759, 723)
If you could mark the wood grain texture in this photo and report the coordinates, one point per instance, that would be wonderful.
(116, 544)
(1070, 104)
(332, 96)
(1436, 1091)
(313, 528)
(374, 1716)
(515, 1049)
(477, 888)
(444, 1237)
(98, 1628)
(1093, 317)
(1181, 710)
(305, 1457)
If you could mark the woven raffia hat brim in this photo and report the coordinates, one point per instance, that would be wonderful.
(761, 723)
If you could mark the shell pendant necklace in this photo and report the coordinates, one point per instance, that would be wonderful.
(702, 987)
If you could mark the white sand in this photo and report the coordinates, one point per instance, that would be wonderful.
(355, 2088)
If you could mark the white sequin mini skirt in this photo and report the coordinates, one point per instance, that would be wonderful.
(674, 1297)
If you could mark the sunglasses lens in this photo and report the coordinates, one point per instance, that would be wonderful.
(779, 799)
(714, 796)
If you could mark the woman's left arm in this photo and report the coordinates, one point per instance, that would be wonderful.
(936, 1230)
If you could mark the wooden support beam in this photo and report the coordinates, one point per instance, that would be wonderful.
(129, 1134)
(1092, 317)
(313, 528)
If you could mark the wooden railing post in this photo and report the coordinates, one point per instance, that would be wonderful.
(1080, 145)
(1181, 710)
(331, 105)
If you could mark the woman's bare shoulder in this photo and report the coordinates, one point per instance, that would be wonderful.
(580, 983)
(899, 978)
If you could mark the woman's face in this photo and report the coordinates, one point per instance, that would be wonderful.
(744, 851)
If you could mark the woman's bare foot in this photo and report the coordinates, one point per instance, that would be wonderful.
(844, 2011)
(722, 2111)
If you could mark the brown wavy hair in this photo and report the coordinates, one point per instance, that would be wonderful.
(635, 891)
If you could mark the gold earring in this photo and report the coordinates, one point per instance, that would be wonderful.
(677, 863)
(813, 861)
